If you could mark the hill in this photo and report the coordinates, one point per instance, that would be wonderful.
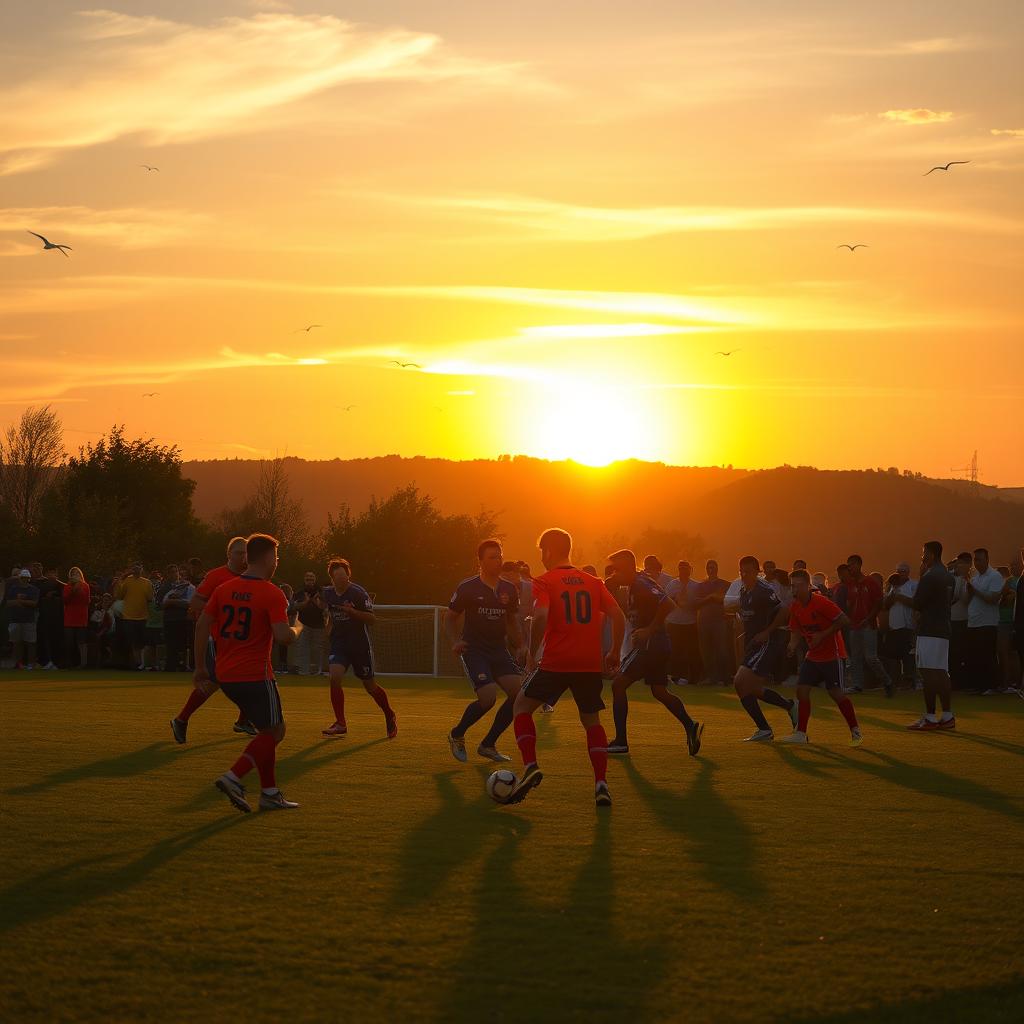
(780, 513)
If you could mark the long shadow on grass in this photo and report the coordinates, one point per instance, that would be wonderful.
(136, 762)
(951, 735)
(91, 878)
(564, 962)
(720, 842)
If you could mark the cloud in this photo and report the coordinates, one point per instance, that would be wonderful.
(918, 115)
(1017, 133)
(174, 81)
(626, 330)
(125, 228)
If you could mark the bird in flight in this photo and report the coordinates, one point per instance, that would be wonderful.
(150, 394)
(345, 408)
(853, 248)
(47, 244)
(945, 167)
(406, 365)
(729, 353)
(149, 167)
(299, 330)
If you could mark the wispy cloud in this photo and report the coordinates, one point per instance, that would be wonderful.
(170, 80)
(125, 228)
(1015, 132)
(917, 116)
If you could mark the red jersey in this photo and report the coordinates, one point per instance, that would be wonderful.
(577, 603)
(815, 617)
(243, 612)
(213, 579)
(861, 596)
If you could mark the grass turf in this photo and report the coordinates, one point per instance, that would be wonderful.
(755, 882)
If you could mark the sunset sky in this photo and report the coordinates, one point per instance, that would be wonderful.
(560, 211)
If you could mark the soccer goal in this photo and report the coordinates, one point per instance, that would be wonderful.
(409, 640)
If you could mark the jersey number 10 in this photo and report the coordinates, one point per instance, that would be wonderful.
(583, 606)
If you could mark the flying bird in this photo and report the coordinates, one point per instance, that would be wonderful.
(853, 248)
(299, 330)
(150, 394)
(149, 167)
(729, 353)
(945, 167)
(345, 408)
(47, 244)
(406, 365)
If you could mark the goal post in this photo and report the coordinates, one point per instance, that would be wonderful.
(409, 640)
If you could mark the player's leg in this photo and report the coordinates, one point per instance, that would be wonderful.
(808, 672)
(748, 684)
(694, 730)
(540, 688)
(511, 685)
(620, 713)
(486, 696)
(586, 691)
(834, 686)
(362, 666)
(336, 668)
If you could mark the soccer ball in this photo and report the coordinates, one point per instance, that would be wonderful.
(499, 784)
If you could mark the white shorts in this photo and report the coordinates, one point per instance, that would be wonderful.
(933, 652)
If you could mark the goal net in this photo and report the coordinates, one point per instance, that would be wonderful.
(409, 640)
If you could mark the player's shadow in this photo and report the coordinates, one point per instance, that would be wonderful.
(720, 842)
(569, 960)
(795, 758)
(954, 735)
(152, 757)
(71, 885)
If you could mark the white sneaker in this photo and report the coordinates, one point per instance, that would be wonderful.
(49, 667)
(276, 802)
(795, 737)
(761, 736)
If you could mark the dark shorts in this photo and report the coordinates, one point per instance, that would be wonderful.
(766, 659)
(259, 702)
(154, 636)
(359, 659)
(76, 634)
(547, 687)
(486, 667)
(821, 673)
(649, 665)
(135, 632)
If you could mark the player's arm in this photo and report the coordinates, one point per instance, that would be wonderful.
(779, 621)
(614, 612)
(540, 623)
(513, 630)
(663, 612)
(360, 614)
(839, 622)
(283, 633)
(453, 629)
(201, 677)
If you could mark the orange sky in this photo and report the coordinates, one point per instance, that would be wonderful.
(561, 212)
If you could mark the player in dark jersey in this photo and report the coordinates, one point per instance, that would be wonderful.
(210, 582)
(569, 610)
(248, 614)
(647, 605)
(764, 647)
(349, 612)
(481, 621)
(820, 623)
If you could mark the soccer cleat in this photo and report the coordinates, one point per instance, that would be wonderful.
(179, 729)
(856, 739)
(529, 779)
(235, 792)
(547, 709)
(617, 747)
(947, 723)
(761, 736)
(923, 724)
(601, 795)
(794, 714)
(247, 727)
(335, 731)
(458, 747)
(276, 802)
(391, 724)
(693, 737)
(795, 737)
(492, 754)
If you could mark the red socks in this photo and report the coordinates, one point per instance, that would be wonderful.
(260, 752)
(805, 715)
(380, 695)
(195, 701)
(846, 707)
(526, 736)
(597, 742)
(338, 703)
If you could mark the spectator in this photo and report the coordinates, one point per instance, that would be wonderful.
(309, 650)
(525, 612)
(195, 571)
(173, 596)
(932, 603)
(282, 649)
(654, 569)
(1009, 665)
(50, 620)
(864, 599)
(962, 569)
(1018, 622)
(681, 624)
(985, 590)
(22, 600)
(713, 627)
(820, 583)
(899, 638)
(102, 627)
(76, 597)
(799, 563)
(135, 592)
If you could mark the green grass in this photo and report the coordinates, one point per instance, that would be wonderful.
(767, 883)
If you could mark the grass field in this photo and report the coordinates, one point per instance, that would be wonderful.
(822, 883)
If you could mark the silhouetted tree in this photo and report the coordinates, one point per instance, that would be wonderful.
(31, 454)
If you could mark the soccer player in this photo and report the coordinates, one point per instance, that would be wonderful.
(647, 606)
(248, 614)
(932, 602)
(487, 606)
(569, 612)
(350, 614)
(820, 622)
(764, 647)
(197, 698)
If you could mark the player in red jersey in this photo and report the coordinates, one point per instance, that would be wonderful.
(248, 615)
(211, 581)
(820, 622)
(569, 607)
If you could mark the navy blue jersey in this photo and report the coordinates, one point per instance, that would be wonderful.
(344, 628)
(486, 611)
(758, 607)
(644, 597)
